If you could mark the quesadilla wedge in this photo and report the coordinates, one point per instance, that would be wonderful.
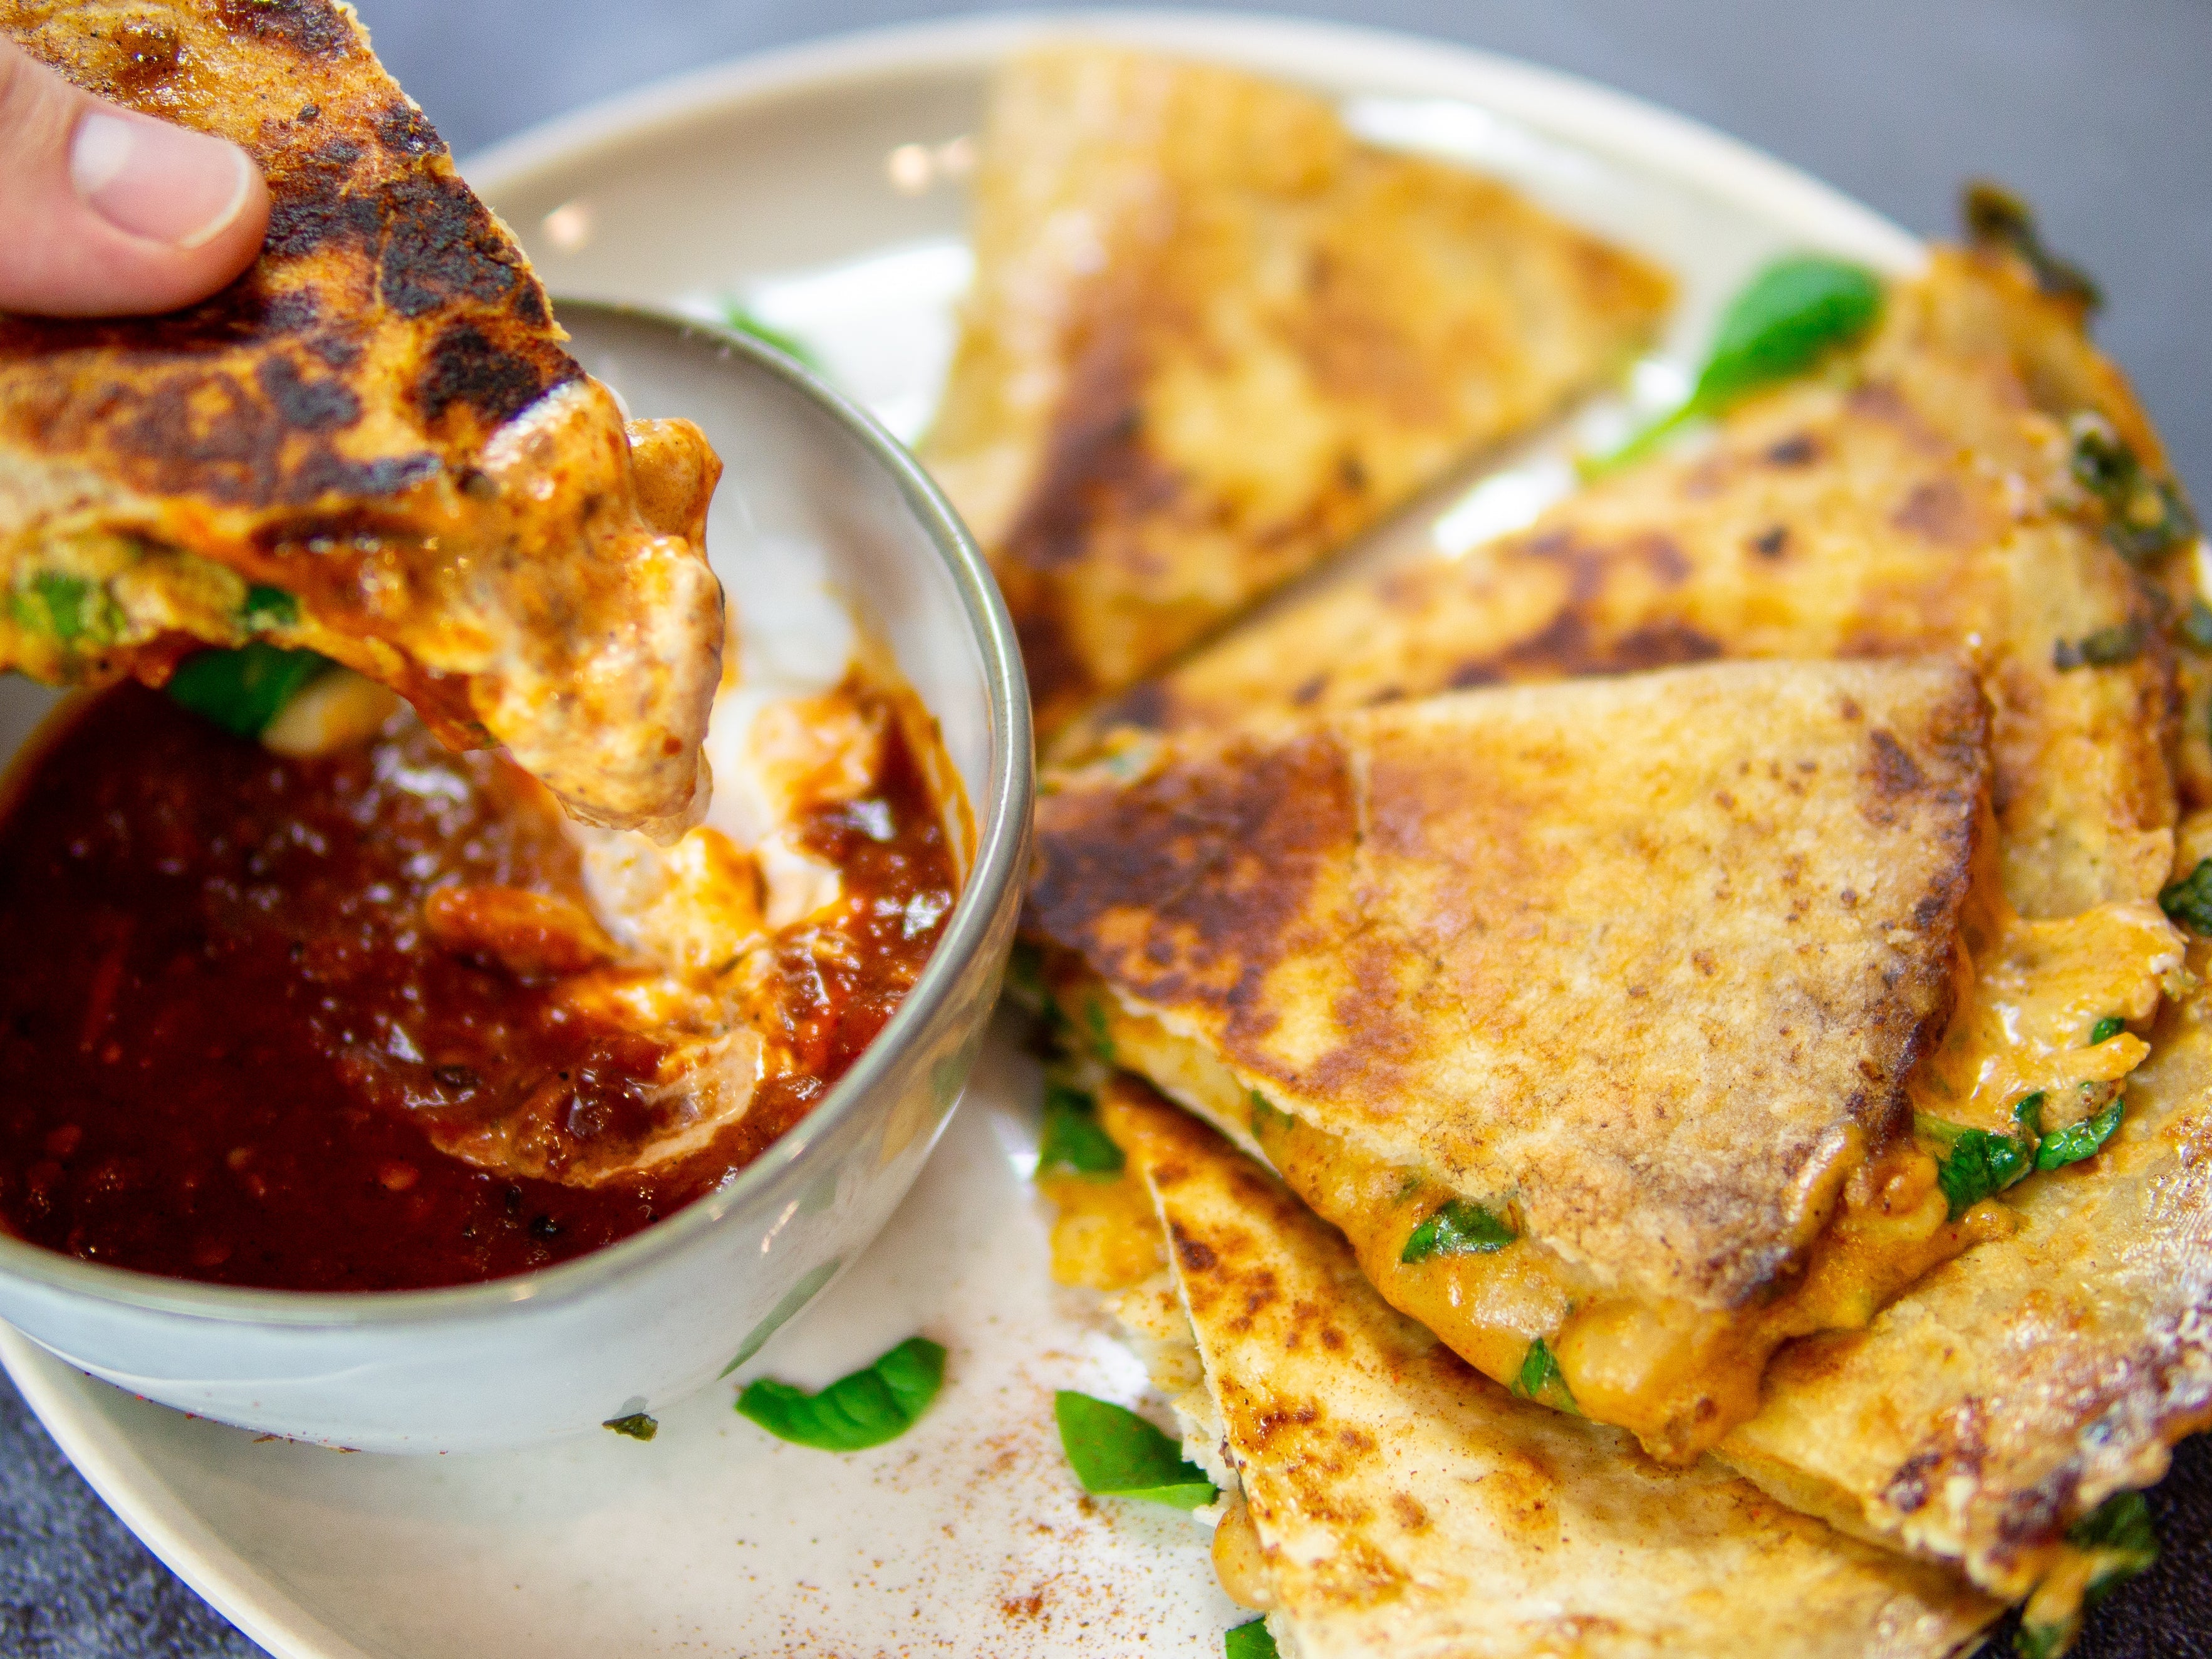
(1386, 1500)
(371, 446)
(2006, 1397)
(1585, 1010)
(1212, 336)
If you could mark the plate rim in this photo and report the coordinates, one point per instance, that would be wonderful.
(109, 1458)
(1644, 135)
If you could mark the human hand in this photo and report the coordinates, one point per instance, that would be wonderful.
(106, 212)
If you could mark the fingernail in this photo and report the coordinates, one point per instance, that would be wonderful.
(157, 181)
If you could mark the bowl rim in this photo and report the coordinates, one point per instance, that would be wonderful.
(997, 871)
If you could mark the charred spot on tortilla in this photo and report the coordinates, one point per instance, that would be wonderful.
(378, 418)
(1213, 336)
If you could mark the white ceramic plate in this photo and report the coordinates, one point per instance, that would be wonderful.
(820, 189)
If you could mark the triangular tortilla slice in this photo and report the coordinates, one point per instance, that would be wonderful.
(1394, 1503)
(371, 446)
(1585, 1010)
(1211, 335)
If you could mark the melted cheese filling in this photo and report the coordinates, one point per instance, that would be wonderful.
(1677, 1375)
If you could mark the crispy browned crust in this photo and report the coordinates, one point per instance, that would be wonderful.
(342, 422)
(1649, 956)
(1211, 336)
(1406, 1504)
(242, 401)
(1918, 500)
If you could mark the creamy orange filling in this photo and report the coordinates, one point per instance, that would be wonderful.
(1677, 1375)
(2031, 996)
(1105, 1234)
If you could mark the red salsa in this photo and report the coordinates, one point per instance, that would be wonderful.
(228, 1036)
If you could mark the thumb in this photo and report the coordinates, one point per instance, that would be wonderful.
(105, 212)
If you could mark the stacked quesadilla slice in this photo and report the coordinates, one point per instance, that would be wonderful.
(1387, 1500)
(1482, 1025)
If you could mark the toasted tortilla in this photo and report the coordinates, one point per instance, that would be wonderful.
(1918, 497)
(371, 446)
(1638, 965)
(1212, 336)
(2017, 1388)
(1403, 1504)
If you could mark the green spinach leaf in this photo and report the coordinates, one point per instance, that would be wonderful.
(1458, 1228)
(2107, 648)
(1789, 316)
(1249, 1640)
(1976, 1163)
(2120, 1543)
(1100, 1032)
(268, 607)
(70, 608)
(2144, 516)
(1117, 1454)
(1997, 219)
(243, 690)
(2084, 1139)
(2188, 901)
(1025, 974)
(1540, 1378)
(2196, 626)
(1268, 1119)
(2119, 1533)
(1072, 1142)
(878, 1403)
(2107, 1029)
(737, 317)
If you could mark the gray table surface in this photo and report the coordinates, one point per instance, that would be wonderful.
(2096, 111)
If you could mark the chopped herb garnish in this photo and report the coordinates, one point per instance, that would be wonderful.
(2085, 1139)
(1072, 1142)
(268, 607)
(1790, 315)
(1249, 1640)
(2144, 516)
(737, 317)
(1101, 1033)
(2188, 901)
(875, 1404)
(2107, 1029)
(243, 690)
(2120, 1532)
(68, 607)
(1117, 1454)
(1267, 1118)
(2197, 625)
(637, 1425)
(1025, 974)
(1996, 218)
(1540, 1378)
(1458, 1228)
(2105, 648)
(2119, 1542)
(1976, 1163)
